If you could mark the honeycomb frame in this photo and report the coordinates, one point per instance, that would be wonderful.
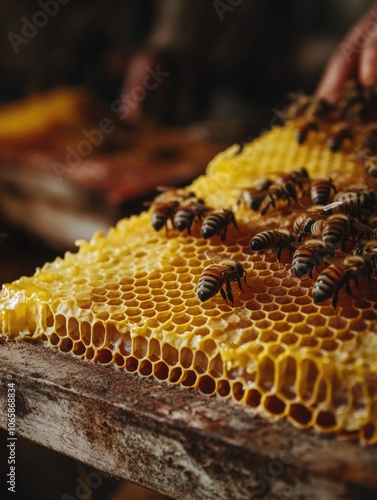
(128, 300)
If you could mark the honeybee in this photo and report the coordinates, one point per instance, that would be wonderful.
(367, 248)
(321, 191)
(296, 178)
(368, 145)
(304, 221)
(354, 110)
(333, 230)
(370, 166)
(372, 221)
(299, 105)
(303, 130)
(285, 187)
(162, 213)
(339, 274)
(165, 205)
(308, 256)
(353, 202)
(307, 105)
(187, 212)
(275, 194)
(351, 103)
(255, 195)
(217, 222)
(214, 276)
(272, 240)
(370, 170)
(339, 133)
(168, 194)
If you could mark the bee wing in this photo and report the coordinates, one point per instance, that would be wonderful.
(363, 227)
(195, 203)
(214, 256)
(332, 205)
(162, 189)
(306, 204)
(336, 259)
(297, 244)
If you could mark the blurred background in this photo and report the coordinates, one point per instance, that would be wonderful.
(100, 102)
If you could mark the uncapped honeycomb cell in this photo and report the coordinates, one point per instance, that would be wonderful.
(129, 300)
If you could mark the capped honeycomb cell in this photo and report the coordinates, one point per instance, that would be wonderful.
(128, 300)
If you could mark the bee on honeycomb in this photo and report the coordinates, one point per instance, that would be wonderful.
(129, 299)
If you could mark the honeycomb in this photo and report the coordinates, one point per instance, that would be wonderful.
(128, 300)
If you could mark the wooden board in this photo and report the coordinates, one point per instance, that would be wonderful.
(174, 441)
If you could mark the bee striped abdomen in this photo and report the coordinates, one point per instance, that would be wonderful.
(208, 285)
(320, 191)
(335, 232)
(211, 225)
(339, 135)
(270, 239)
(308, 256)
(328, 282)
(304, 129)
(216, 223)
(264, 240)
(352, 202)
(184, 218)
(162, 212)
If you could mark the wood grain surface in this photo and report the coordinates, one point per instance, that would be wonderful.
(174, 441)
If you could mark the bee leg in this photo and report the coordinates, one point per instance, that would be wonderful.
(278, 253)
(233, 220)
(262, 253)
(229, 291)
(223, 294)
(356, 283)
(271, 202)
(244, 278)
(223, 233)
(239, 283)
(335, 299)
(264, 211)
(291, 193)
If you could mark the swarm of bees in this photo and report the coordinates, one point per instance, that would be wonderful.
(181, 209)
(333, 232)
(353, 115)
(322, 232)
(327, 225)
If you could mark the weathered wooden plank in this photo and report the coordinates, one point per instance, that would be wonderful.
(174, 441)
